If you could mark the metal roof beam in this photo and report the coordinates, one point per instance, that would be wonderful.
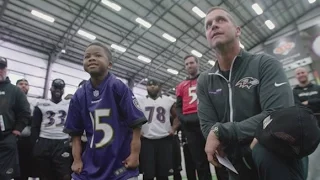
(4, 7)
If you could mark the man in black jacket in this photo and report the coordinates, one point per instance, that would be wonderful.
(308, 94)
(236, 95)
(14, 115)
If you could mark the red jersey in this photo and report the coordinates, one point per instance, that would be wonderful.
(187, 91)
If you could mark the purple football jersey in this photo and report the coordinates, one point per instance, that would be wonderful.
(107, 114)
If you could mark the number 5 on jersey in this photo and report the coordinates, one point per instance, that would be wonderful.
(192, 94)
(101, 126)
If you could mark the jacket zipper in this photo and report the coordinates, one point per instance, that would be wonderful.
(230, 89)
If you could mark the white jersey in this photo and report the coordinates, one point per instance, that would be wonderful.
(53, 119)
(158, 114)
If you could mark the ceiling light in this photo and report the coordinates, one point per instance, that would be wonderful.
(257, 8)
(311, 1)
(146, 79)
(144, 59)
(119, 48)
(143, 22)
(212, 62)
(173, 89)
(86, 34)
(196, 53)
(241, 45)
(168, 37)
(173, 71)
(198, 12)
(111, 5)
(63, 51)
(42, 16)
(270, 24)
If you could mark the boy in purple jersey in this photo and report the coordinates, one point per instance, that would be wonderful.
(106, 109)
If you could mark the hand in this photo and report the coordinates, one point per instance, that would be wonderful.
(77, 166)
(253, 143)
(132, 161)
(305, 102)
(171, 132)
(212, 145)
(16, 133)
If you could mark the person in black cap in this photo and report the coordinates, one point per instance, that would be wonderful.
(51, 148)
(14, 116)
(156, 156)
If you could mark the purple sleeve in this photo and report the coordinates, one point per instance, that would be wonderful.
(74, 123)
(129, 106)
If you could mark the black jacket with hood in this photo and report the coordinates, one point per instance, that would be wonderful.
(14, 108)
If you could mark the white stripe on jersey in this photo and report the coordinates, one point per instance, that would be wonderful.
(158, 114)
(53, 119)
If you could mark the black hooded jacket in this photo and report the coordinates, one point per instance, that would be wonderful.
(14, 108)
(310, 93)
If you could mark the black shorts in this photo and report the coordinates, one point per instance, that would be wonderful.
(53, 158)
(26, 160)
(176, 154)
(156, 157)
(9, 163)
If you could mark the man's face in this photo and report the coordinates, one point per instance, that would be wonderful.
(56, 93)
(24, 86)
(220, 30)
(96, 61)
(3, 73)
(302, 75)
(191, 66)
(153, 90)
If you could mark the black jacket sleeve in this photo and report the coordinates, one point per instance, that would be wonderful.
(179, 108)
(36, 124)
(22, 111)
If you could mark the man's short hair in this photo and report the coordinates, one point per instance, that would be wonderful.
(223, 9)
(20, 80)
(190, 55)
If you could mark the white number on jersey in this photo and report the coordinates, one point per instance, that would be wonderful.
(52, 119)
(101, 126)
(192, 94)
(2, 127)
(160, 113)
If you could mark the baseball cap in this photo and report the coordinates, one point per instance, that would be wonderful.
(19, 80)
(3, 62)
(58, 84)
(290, 132)
(152, 82)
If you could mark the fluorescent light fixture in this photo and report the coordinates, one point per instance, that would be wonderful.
(270, 24)
(311, 1)
(143, 22)
(173, 89)
(212, 62)
(146, 79)
(173, 71)
(241, 45)
(86, 34)
(112, 5)
(257, 8)
(196, 53)
(119, 48)
(63, 51)
(168, 37)
(42, 16)
(144, 59)
(198, 12)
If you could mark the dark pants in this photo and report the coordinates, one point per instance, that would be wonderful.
(196, 143)
(265, 165)
(9, 163)
(53, 159)
(26, 160)
(190, 166)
